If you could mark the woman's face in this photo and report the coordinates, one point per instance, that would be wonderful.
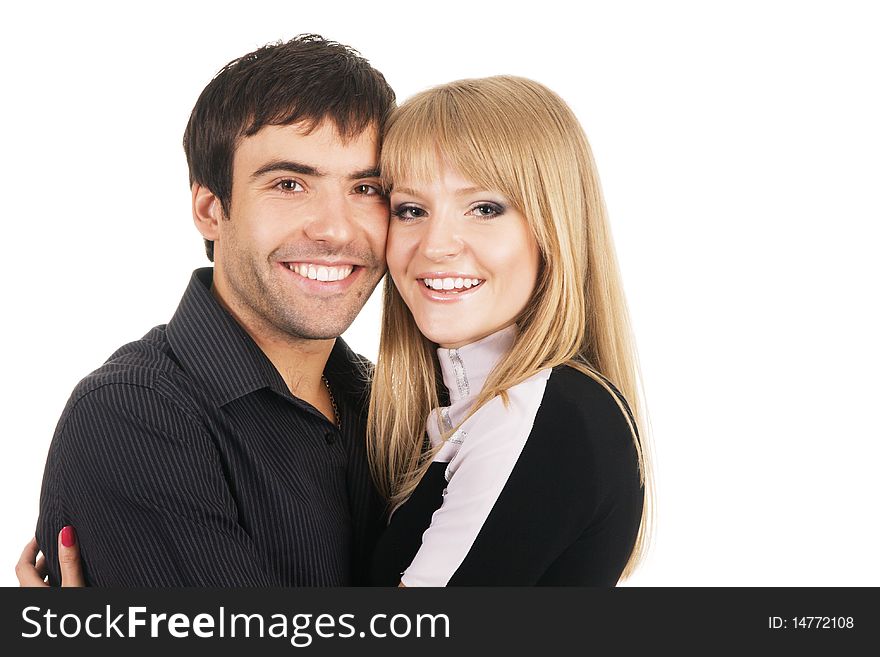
(463, 259)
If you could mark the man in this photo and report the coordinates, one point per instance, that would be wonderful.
(227, 447)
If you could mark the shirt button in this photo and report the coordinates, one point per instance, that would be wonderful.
(330, 437)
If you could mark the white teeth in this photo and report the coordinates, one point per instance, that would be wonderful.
(320, 272)
(451, 283)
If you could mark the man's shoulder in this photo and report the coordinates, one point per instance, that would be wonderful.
(140, 362)
(137, 399)
(147, 365)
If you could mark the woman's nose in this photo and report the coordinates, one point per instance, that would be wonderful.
(441, 239)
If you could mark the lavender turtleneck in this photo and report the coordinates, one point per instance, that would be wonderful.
(480, 455)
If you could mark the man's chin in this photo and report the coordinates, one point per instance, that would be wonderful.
(319, 330)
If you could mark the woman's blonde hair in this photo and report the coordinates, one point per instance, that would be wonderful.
(517, 137)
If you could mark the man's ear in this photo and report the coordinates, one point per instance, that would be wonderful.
(207, 211)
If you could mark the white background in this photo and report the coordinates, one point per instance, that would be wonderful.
(739, 150)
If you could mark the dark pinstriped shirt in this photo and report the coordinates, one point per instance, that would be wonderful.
(185, 461)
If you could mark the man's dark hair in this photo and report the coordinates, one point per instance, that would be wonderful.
(305, 79)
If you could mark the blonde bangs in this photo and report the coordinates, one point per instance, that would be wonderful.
(462, 127)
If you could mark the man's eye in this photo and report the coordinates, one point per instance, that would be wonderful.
(368, 190)
(289, 185)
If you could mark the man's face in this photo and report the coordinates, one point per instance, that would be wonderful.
(304, 245)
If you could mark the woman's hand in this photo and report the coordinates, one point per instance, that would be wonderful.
(32, 571)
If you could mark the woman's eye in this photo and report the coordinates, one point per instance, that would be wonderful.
(487, 210)
(408, 212)
(289, 185)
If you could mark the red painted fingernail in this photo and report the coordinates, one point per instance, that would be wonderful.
(68, 536)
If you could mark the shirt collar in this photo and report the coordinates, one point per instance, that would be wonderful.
(214, 348)
(466, 369)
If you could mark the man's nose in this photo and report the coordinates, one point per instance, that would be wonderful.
(331, 220)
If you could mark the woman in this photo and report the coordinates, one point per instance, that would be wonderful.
(500, 254)
(499, 427)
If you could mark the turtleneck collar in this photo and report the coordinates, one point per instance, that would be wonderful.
(466, 369)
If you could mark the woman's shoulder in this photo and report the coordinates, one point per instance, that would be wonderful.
(585, 392)
(585, 413)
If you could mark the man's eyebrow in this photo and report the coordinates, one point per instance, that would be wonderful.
(286, 165)
(365, 173)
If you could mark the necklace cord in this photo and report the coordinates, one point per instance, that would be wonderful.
(333, 403)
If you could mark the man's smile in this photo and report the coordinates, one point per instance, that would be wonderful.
(320, 272)
(322, 279)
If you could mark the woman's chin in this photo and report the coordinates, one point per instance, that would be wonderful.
(445, 338)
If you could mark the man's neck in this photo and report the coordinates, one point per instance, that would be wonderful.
(299, 361)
